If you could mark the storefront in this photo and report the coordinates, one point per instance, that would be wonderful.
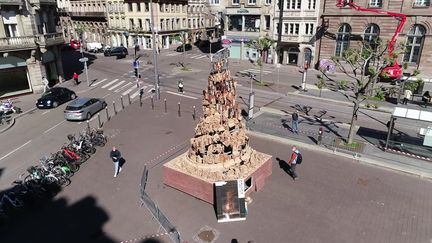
(13, 76)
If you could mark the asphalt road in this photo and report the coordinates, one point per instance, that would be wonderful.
(44, 131)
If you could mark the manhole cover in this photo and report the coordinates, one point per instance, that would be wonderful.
(206, 235)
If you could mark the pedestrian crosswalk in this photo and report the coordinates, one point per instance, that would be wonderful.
(123, 87)
(188, 55)
(255, 71)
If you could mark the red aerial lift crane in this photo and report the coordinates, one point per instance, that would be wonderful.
(394, 71)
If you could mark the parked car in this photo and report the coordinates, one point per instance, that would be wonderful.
(187, 47)
(120, 51)
(94, 47)
(75, 44)
(54, 97)
(84, 108)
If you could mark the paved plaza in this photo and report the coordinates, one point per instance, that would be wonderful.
(335, 200)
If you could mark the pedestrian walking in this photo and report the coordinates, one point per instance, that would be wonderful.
(295, 122)
(115, 155)
(75, 77)
(180, 86)
(407, 96)
(45, 83)
(296, 159)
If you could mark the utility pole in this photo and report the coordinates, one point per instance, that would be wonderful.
(156, 75)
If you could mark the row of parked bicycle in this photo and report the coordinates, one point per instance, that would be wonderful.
(46, 179)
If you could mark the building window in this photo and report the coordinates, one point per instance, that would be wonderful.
(251, 2)
(140, 23)
(421, 3)
(130, 9)
(309, 29)
(235, 2)
(293, 29)
(214, 2)
(11, 24)
(311, 4)
(286, 28)
(277, 28)
(342, 39)
(138, 7)
(371, 35)
(293, 4)
(131, 23)
(252, 23)
(375, 3)
(267, 22)
(146, 7)
(414, 44)
(235, 23)
(268, 2)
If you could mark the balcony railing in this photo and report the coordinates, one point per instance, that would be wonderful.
(22, 42)
(50, 39)
(88, 14)
(38, 2)
(10, 2)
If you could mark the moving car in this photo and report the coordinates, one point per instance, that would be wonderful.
(120, 51)
(54, 97)
(84, 108)
(187, 47)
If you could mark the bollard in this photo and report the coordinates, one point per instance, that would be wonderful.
(99, 121)
(106, 109)
(179, 112)
(320, 134)
(194, 113)
(152, 102)
(141, 93)
(121, 100)
(88, 125)
(115, 110)
(165, 105)
(129, 99)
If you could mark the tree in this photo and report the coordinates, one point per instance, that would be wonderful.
(363, 67)
(262, 45)
(182, 37)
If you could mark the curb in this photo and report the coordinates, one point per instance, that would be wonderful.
(368, 161)
(13, 120)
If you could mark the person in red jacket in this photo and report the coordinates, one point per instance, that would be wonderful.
(294, 161)
(75, 77)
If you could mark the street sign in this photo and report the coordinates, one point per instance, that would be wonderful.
(136, 64)
(84, 59)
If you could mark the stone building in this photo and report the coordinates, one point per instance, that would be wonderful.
(296, 41)
(88, 21)
(130, 22)
(30, 45)
(346, 27)
(201, 22)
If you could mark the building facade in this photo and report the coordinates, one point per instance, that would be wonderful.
(130, 22)
(246, 20)
(201, 21)
(294, 28)
(30, 45)
(345, 27)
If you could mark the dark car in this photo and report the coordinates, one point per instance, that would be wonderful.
(120, 51)
(83, 108)
(54, 97)
(187, 47)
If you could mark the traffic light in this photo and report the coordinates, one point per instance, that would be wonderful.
(136, 72)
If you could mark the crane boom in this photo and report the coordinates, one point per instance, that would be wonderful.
(390, 47)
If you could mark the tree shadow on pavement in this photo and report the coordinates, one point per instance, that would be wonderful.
(56, 221)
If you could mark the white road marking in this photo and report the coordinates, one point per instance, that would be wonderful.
(103, 80)
(137, 93)
(121, 88)
(116, 85)
(45, 112)
(195, 56)
(186, 96)
(201, 57)
(106, 95)
(129, 90)
(13, 151)
(54, 126)
(173, 54)
(256, 71)
(108, 84)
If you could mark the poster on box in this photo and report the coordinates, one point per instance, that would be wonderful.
(230, 200)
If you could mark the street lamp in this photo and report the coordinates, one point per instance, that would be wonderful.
(126, 34)
(152, 26)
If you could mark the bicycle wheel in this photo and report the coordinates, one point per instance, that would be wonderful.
(63, 181)
(73, 167)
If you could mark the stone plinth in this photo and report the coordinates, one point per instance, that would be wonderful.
(178, 174)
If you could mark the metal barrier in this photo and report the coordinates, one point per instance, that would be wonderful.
(339, 145)
(156, 212)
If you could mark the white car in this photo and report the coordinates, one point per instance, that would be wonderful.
(94, 47)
